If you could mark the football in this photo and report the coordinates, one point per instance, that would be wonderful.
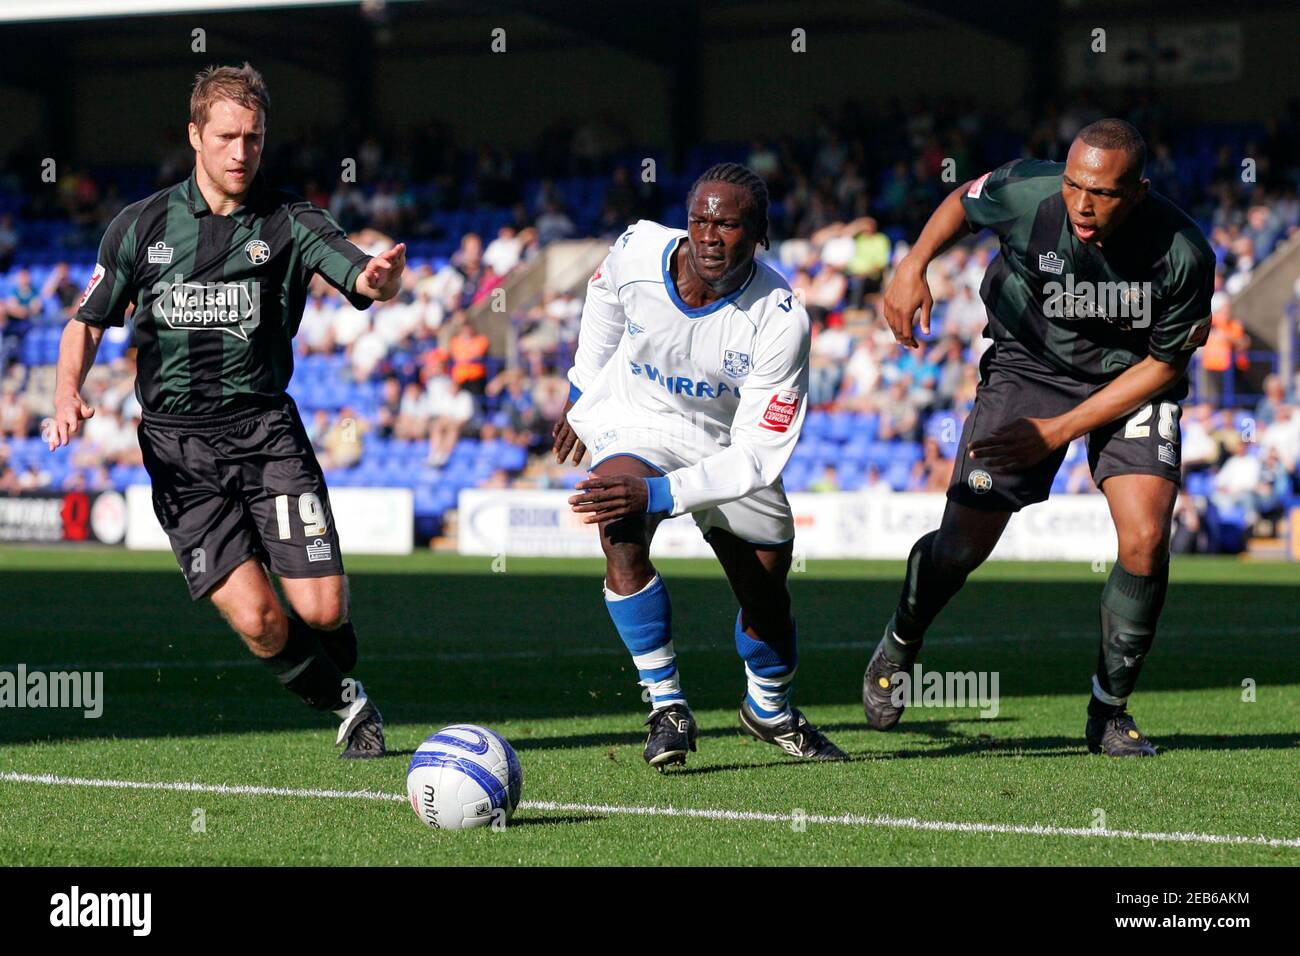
(462, 777)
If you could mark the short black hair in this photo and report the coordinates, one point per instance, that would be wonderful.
(739, 175)
(1117, 134)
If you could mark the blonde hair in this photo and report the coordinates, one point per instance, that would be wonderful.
(242, 84)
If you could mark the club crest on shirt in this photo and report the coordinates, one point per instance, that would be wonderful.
(633, 329)
(257, 251)
(735, 364)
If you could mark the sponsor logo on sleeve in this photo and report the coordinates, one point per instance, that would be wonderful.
(977, 188)
(95, 278)
(781, 409)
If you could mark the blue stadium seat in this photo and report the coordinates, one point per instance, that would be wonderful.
(879, 453)
(855, 453)
(866, 425)
(907, 452)
(1198, 483)
(840, 427)
(795, 477)
(850, 478)
(512, 457)
(805, 452)
(899, 475)
(816, 424)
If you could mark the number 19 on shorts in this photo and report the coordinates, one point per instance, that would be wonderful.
(309, 511)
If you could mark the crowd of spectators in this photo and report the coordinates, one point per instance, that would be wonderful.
(417, 369)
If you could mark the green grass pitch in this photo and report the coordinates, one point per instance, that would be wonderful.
(530, 652)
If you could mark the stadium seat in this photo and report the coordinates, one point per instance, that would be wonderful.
(899, 475)
(1198, 483)
(816, 424)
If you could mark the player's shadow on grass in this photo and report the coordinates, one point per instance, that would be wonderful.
(544, 820)
(1075, 746)
(610, 739)
(691, 770)
(1228, 742)
(483, 647)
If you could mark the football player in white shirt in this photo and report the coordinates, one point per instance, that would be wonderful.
(689, 388)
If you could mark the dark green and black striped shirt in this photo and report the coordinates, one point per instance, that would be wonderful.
(218, 298)
(1089, 312)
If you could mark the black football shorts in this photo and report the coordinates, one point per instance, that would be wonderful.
(1013, 385)
(243, 485)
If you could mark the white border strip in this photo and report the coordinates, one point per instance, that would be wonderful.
(34, 10)
(550, 806)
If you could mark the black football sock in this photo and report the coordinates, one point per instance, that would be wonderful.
(303, 667)
(340, 644)
(926, 590)
(1130, 606)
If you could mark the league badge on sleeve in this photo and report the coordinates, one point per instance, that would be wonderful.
(781, 409)
(95, 278)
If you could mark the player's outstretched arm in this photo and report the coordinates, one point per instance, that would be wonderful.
(381, 279)
(908, 290)
(77, 350)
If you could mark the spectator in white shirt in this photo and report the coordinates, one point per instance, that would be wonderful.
(504, 252)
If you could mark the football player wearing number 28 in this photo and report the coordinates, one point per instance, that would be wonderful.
(1096, 303)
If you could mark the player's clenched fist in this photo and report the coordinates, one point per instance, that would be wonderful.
(69, 412)
(907, 292)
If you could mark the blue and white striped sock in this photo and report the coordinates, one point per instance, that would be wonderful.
(644, 622)
(769, 673)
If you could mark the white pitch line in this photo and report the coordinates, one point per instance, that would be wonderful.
(475, 656)
(184, 787)
(550, 806)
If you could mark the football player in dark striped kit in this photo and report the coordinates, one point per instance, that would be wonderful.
(217, 268)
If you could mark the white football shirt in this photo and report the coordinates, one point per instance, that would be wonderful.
(727, 381)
